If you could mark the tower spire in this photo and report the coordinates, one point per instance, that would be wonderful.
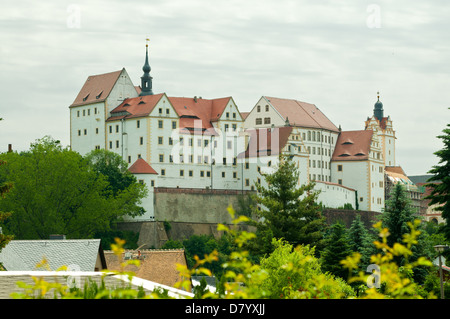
(378, 109)
(146, 79)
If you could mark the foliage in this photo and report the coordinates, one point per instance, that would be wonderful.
(394, 281)
(296, 273)
(56, 191)
(361, 240)
(121, 183)
(440, 181)
(4, 239)
(396, 218)
(286, 210)
(337, 248)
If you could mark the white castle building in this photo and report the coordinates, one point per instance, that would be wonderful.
(192, 142)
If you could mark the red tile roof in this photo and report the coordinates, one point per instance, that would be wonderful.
(192, 112)
(96, 88)
(353, 146)
(301, 113)
(266, 141)
(141, 167)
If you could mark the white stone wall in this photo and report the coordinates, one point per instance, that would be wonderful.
(87, 127)
(335, 195)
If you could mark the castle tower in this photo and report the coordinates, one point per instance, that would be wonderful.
(383, 127)
(146, 79)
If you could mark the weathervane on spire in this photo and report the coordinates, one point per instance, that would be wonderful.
(146, 79)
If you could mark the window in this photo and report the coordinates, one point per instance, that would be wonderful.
(228, 115)
(224, 161)
(202, 173)
(78, 113)
(79, 132)
(170, 158)
(199, 143)
(234, 116)
(96, 130)
(267, 108)
(152, 183)
(160, 140)
(226, 127)
(247, 182)
(267, 120)
(170, 141)
(223, 174)
(167, 111)
(208, 174)
(181, 172)
(205, 159)
(117, 144)
(234, 175)
(234, 126)
(258, 108)
(110, 129)
(340, 181)
(229, 145)
(161, 158)
(117, 128)
(138, 124)
(141, 140)
(163, 172)
(247, 165)
(160, 124)
(129, 159)
(199, 159)
(206, 143)
(110, 144)
(339, 168)
(258, 121)
(174, 124)
(160, 110)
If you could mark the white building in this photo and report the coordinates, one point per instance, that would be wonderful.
(192, 142)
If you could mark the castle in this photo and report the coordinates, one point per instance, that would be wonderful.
(192, 143)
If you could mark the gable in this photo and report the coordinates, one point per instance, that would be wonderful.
(96, 88)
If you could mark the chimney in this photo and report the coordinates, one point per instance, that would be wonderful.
(9, 148)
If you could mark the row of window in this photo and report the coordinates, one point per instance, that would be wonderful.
(86, 112)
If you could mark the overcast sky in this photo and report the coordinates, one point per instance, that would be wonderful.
(334, 54)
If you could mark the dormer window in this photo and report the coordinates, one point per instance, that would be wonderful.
(98, 96)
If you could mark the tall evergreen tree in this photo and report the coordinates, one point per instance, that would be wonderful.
(361, 240)
(337, 248)
(440, 181)
(287, 210)
(396, 217)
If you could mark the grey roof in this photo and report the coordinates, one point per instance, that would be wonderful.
(76, 254)
(419, 178)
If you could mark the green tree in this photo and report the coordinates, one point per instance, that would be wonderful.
(4, 188)
(286, 210)
(121, 182)
(57, 191)
(337, 248)
(440, 181)
(361, 240)
(398, 214)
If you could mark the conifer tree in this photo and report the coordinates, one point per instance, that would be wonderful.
(396, 217)
(361, 240)
(440, 181)
(337, 248)
(286, 210)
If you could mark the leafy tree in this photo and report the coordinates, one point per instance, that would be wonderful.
(337, 248)
(57, 191)
(287, 210)
(440, 181)
(121, 182)
(4, 188)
